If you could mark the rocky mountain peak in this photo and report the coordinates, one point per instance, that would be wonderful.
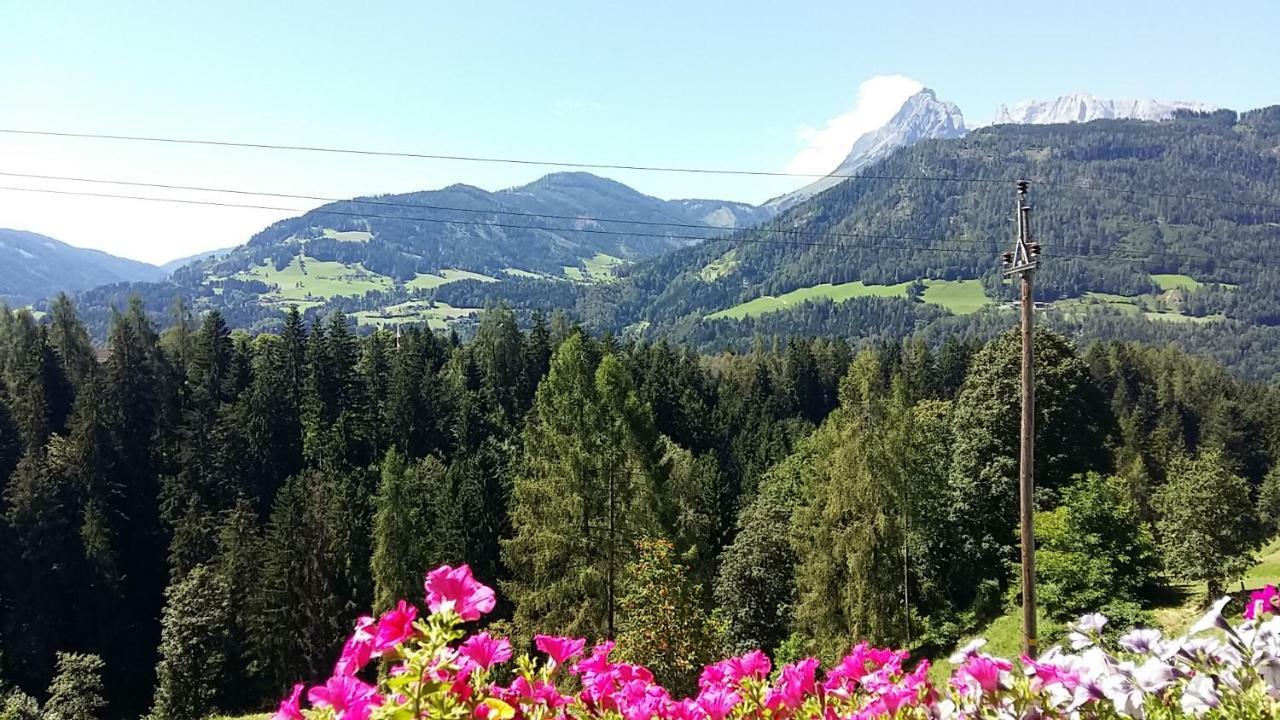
(1084, 107)
(922, 117)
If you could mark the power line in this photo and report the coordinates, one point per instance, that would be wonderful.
(1153, 193)
(478, 158)
(476, 223)
(442, 208)
(644, 168)
(729, 239)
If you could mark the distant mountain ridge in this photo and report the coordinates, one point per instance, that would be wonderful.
(1084, 107)
(922, 117)
(34, 267)
(557, 221)
(187, 260)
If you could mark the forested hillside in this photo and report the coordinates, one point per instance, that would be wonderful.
(383, 257)
(1157, 231)
(34, 267)
(1106, 210)
(208, 511)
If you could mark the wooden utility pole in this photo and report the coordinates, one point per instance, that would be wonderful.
(1022, 263)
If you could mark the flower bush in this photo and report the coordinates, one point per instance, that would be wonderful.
(429, 667)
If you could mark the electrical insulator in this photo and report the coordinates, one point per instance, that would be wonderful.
(1034, 249)
(1008, 258)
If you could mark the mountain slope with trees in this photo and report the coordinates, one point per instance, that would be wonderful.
(34, 267)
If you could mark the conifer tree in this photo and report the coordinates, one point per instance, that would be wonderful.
(76, 691)
(581, 497)
(193, 647)
(416, 527)
(312, 579)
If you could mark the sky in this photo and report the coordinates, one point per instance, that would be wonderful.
(737, 85)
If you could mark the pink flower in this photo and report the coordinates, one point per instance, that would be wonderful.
(456, 589)
(983, 672)
(753, 664)
(559, 649)
(795, 683)
(686, 709)
(358, 648)
(718, 702)
(394, 627)
(547, 694)
(348, 697)
(483, 652)
(733, 670)
(290, 708)
(1261, 602)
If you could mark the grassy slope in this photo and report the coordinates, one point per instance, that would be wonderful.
(1171, 282)
(1004, 634)
(720, 267)
(597, 268)
(304, 278)
(414, 311)
(958, 296)
(427, 281)
(359, 236)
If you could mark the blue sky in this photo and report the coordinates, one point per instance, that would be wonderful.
(709, 84)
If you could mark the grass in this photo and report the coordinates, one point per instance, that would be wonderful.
(600, 267)
(1180, 318)
(959, 296)
(1131, 305)
(1174, 616)
(428, 281)
(597, 268)
(360, 236)
(306, 278)
(1169, 282)
(719, 267)
(1267, 570)
(517, 272)
(437, 316)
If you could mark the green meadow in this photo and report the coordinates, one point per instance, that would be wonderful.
(959, 296)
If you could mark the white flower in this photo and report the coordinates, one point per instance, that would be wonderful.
(1147, 641)
(1120, 689)
(1269, 670)
(965, 652)
(1086, 630)
(1091, 623)
(1153, 676)
(1212, 619)
(1199, 696)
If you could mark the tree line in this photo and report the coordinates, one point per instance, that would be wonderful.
(195, 517)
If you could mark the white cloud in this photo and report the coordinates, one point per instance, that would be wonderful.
(878, 99)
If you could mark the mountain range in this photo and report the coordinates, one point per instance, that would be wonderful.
(1083, 107)
(33, 267)
(825, 259)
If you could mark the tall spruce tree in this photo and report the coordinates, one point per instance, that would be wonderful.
(191, 676)
(582, 496)
(417, 526)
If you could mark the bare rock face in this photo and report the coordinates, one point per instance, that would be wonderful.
(922, 117)
(1083, 107)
